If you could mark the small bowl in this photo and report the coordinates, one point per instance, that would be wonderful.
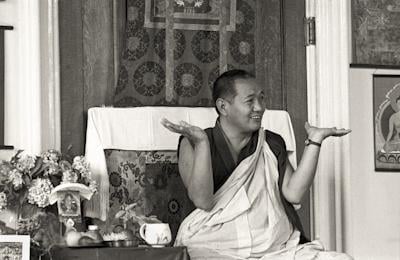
(129, 243)
(114, 243)
(121, 243)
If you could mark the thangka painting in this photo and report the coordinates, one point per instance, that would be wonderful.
(376, 33)
(190, 14)
(386, 95)
(14, 247)
(69, 206)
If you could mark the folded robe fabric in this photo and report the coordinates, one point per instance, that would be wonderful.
(247, 219)
(139, 129)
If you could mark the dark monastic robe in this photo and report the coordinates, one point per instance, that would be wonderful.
(223, 164)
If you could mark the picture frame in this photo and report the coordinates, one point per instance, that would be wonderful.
(190, 16)
(15, 247)
(386, 111)
(69, 206)
(375, 34)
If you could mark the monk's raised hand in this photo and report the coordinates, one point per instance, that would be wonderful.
(194, 133)
(318, 134)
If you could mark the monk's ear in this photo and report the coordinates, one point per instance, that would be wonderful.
(221, 106)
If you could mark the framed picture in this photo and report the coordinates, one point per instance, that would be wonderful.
(386, 103)
(190, 14)
(14, 247)
(69, 206)
(375, 33)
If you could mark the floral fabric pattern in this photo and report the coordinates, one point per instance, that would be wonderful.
(142, 73)
(150, 179)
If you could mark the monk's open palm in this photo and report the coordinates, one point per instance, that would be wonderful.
(319, 134)
(194, 133)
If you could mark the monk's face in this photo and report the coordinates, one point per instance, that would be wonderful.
(247, 107)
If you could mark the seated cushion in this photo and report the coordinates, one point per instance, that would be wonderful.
(150, 179)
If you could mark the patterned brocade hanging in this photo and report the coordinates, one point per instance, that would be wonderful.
(196, 50)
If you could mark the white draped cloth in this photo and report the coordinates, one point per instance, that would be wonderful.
(248, 220)
(139, 129)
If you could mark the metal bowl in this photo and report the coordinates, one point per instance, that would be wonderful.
(121, 243)
(115, 243)
(130, 243)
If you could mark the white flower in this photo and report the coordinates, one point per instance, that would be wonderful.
(82, 166)
(52, 168)
(3, 201)
(15, 177)
(26, 162)
(39, 192)
(69, 176)
(51, 156)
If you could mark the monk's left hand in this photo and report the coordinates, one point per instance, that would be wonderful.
(318, 134)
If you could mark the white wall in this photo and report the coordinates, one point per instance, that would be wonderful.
(375, 196)
(8, 12)
(8, 16)
(27, 104)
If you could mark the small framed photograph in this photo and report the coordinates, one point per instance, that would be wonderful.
(69, 206)
(386, 109)
(14, 247)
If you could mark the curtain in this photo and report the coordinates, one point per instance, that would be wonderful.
(102, 23)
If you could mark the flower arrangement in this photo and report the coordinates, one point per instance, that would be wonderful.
(29, 180)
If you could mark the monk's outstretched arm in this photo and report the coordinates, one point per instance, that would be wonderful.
(194, 163)
(296, 183)
(196, 172)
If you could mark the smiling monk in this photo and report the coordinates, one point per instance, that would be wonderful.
(239, 178)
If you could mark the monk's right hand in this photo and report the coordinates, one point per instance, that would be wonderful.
(195, 134)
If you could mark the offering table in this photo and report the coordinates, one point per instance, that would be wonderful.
(120, 253)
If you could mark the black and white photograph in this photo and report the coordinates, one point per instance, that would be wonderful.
(200, 129)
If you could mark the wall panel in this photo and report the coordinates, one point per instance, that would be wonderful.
(73, 123)
(295, 82)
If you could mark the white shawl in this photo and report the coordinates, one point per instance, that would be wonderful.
(247, 219)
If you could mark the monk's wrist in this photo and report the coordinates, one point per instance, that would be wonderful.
(316, 138)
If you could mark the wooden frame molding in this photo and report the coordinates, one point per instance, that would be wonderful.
(328, 105)
(3, 28)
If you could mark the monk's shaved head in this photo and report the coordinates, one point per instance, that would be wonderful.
(224, 85)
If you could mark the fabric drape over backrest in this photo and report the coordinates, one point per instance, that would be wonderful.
(198, 47)
(140, 129)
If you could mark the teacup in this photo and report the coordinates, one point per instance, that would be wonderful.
(156, 234)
